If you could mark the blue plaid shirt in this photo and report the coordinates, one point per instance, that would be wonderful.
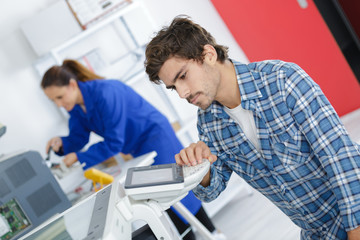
(307, 165)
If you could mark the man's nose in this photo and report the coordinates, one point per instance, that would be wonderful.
(183, 91)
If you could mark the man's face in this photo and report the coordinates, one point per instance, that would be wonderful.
(196, 82)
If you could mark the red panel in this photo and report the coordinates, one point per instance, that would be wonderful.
(279, 29)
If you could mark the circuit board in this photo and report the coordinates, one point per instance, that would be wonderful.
(12, 220)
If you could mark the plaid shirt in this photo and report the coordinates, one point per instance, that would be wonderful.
(308, 166)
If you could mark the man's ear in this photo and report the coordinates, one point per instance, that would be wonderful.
(210, 54)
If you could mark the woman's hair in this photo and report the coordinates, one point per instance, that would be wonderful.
(70, 69)
(184, 39)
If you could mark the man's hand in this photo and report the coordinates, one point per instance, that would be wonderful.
(194, 154)
(354, 234)
(55, 143)
(70, 159)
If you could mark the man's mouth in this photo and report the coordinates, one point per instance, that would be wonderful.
(193, 99)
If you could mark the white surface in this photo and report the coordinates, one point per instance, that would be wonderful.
(4, 226)
(73, 179)
(236, 187)
(77, 222)
(160, 193)
(254, 217)
(50, 27)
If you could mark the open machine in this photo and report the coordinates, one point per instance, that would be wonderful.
(109, 213)
(29, 194)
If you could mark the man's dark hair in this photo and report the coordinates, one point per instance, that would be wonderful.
(184, 39)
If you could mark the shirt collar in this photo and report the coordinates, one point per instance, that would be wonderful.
(248, 81)
(85, 91)
(249, 84)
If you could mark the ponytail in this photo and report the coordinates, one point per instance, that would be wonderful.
(82, 73)
(70, 69)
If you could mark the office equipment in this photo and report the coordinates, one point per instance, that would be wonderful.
(108, 214)
(154, 181)
(29, 194)
(165, 183)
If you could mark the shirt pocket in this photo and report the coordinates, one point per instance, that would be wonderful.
(290, 146)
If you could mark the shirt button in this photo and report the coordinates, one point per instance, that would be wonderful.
(306, 212)
(324, 229)
(285, 191)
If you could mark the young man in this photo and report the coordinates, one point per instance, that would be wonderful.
(268, 122)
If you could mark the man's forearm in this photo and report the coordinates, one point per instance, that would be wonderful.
(354, 234)
(206, 179)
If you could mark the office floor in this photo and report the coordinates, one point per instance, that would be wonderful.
(254, 218)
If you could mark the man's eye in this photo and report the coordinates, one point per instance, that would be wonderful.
(183, 76)
(171, 88)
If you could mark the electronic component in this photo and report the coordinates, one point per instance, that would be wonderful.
(12, 220)
(154, 181)
(164, 181)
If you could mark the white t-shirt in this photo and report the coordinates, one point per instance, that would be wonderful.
(246, 121)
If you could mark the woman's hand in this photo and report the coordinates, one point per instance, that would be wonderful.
(194, 154)
(55, 143)
(70, 159)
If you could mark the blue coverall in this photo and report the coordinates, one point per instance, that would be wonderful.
(128, 124)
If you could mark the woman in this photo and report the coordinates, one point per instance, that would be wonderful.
(125, 120)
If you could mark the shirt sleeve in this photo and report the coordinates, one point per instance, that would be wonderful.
(77, 138)
(322, 127)
(112, 109)
(219, 173)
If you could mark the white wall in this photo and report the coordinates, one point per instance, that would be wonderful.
(31, 119)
